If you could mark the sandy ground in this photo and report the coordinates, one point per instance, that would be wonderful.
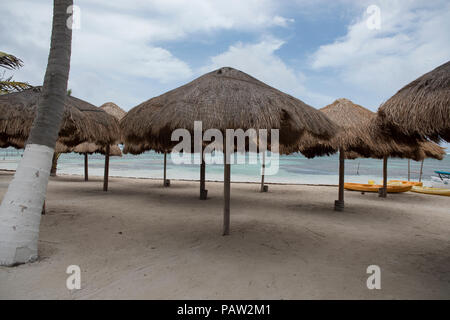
(140, 240)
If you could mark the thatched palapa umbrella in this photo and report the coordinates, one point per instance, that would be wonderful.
(87, 148)
(223, 99)
(361, 137)
(114, 110)
(351, 118)
(422, 107)
(82, 121)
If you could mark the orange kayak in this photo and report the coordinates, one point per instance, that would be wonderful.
(408, 183)
(375, 187)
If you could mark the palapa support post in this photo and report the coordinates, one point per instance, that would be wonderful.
(409, 169)
(382, 192)
(421, 171)
(54, 164)
(263, 187)
(226, 192)
(105, 178)
(339, 204)
(86, 173)
(166, 183)
(203, 191)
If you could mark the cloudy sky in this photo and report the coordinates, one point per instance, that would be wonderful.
(128, 51)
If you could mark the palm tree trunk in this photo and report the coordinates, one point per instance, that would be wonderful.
(20, 211)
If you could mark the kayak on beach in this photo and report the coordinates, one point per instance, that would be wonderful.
(435, 191)
(403, 182)
(375, 187)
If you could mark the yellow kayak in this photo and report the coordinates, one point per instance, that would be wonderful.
(375, 187)
(435, 191)
(409, 183)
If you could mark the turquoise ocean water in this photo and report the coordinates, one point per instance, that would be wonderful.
(294, 168)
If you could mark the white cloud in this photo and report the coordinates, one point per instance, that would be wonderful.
(413, 39)
(112, 56)
(123, 40)
(260, 61)
(173, 19)
(281, 21)
(126, 50)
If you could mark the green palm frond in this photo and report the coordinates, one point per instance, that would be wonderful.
(7, 86)
(9, 61)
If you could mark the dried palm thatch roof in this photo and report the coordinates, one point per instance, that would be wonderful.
(360, 135)
(430, 149)
(89, 148)
(222, 99)
(6, 141)
(424, 150)
(59, 148)
(351, 118)
(422, 107)
(140, 148)
(82, 122)
(114, 110)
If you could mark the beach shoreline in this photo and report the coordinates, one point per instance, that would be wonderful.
(188, 180)
(141, 240)
(293, 170)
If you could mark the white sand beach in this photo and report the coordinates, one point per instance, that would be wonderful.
(142, 241)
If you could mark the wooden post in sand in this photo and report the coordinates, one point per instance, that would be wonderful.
(54, 164)
(421, 171)
(226, 191)
(263, 187)
(86, 174)
(203, 191)
(165, 168)
(105, 178)
(339, 204)
(166, 183)
(383, 191)
(409, 169)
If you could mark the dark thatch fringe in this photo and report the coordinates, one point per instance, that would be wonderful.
(421, 108)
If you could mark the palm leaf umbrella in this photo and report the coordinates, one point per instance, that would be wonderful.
(422, 107)
(114, 110)
(87, 148)
(82, 121)
(222, 99)
(361, 137)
